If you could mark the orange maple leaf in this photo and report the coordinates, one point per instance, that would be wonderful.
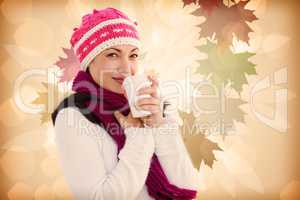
(200, 148)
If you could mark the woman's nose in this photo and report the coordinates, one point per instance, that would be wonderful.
(125, 67)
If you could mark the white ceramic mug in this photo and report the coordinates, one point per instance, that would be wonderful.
(131, 85)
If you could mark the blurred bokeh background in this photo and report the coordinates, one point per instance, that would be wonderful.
(257, 157)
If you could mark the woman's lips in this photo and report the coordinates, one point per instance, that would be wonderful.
(119, 79)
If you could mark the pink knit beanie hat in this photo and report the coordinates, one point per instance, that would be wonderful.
(100, 30)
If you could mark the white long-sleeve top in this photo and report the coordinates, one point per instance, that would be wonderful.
(89, 160)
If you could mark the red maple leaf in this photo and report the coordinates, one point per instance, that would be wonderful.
(206, 6)
(70, 65)
(226, 22)
(188, 2)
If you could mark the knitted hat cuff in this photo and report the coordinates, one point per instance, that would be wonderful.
(105, 45)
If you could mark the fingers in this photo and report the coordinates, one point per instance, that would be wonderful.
(152, 121)
(148, 90)
(127, 121)
(149, 104)
(154, 80)
(120, 118)
(148, 101)
(147, 121)
(151, 90)
(151, 108)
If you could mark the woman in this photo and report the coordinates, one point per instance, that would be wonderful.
(108, 154)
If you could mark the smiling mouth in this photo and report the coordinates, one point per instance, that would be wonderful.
(119, 79)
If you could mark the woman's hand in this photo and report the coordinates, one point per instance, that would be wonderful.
(152, 104)
(128, 121)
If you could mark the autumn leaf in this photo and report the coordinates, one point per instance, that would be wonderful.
(199, 147)
(69, 65)
(188, 2)
(225, 67)
(206, 6)
(49, 98)
(227, 22)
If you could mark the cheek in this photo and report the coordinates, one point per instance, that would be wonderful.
(100, 72)
(104, 63)
(104, 68)
(106, 76)
(110, 65)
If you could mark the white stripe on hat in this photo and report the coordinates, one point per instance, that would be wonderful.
(101, 25)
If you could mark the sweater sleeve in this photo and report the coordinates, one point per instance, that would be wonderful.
(79, 145)
(174, 157)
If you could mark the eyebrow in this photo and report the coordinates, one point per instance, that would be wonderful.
(120, 50)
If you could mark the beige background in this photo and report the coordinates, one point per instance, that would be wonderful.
(261, 163)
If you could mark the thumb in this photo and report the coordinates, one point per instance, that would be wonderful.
(120, 117)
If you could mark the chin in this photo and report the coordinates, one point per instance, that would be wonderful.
(119, 91)
(117, 88)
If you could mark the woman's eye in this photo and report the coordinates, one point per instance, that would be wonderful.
(134, 56)
(112, 55)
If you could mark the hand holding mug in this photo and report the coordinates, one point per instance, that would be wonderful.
(152, 104)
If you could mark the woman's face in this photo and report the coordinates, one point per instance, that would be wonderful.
(111, 66)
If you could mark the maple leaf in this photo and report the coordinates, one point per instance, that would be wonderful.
(227, 22)
(50, 99)
(199, 147)
(188, 2)
(70, 65)
(225, 67)
(206, 6)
